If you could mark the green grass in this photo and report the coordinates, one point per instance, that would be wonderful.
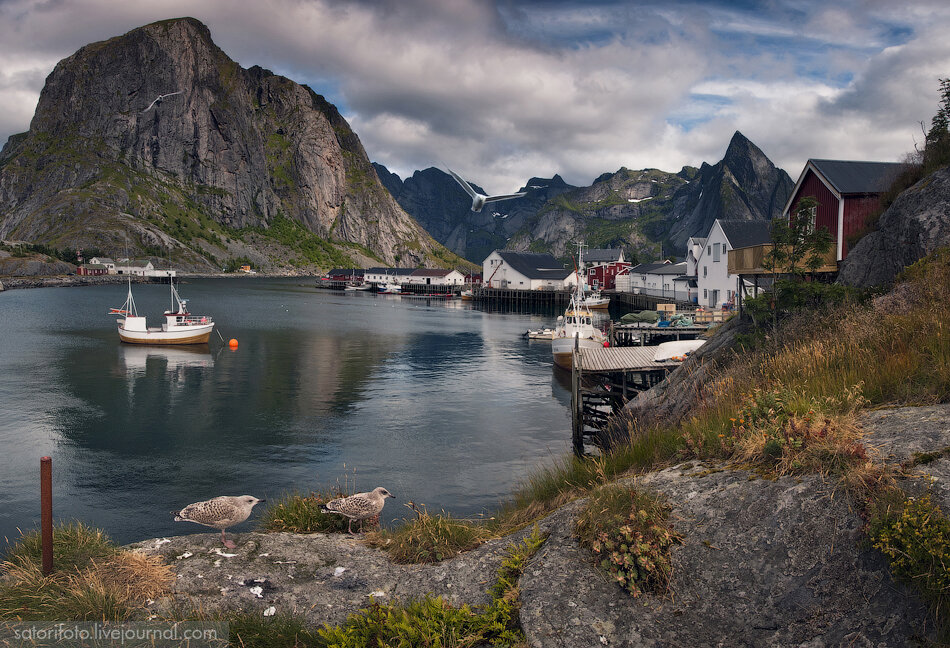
(297, 513)
(430, 538)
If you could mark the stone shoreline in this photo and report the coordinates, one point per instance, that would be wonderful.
(763, 562)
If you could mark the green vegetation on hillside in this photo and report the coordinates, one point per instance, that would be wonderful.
(301, 240)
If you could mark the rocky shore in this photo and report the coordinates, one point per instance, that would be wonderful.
(763, 562)
(59, 281)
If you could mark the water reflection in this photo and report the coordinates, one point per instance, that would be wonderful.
(136, 357)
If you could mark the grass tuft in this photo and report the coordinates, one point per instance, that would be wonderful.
(93, 580)
(297, 513)
(429, 538)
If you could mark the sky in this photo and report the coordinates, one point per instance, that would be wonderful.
(503, 90)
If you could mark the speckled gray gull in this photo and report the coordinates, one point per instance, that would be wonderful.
(220, 513)
(360, 506)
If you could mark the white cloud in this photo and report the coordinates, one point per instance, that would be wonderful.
(502, 95)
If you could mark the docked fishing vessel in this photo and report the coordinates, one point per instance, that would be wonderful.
(576, 327)
(179, 327)
(390, 288)
(596, 301)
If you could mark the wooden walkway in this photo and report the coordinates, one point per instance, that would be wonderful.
(627, 359)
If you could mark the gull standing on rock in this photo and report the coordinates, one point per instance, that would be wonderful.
(160, 99)
(361, 506)
(219, 513)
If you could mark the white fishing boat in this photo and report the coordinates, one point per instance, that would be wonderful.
(390, 288)
(596, 301)
(576, 327)
(539, 334)
(179, 327)
(677, 350)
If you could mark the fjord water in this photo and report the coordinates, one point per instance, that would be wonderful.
(441, 403)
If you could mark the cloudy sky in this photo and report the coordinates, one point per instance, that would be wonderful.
(502, 90)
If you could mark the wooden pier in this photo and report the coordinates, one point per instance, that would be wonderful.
(602, 381)
(639, 302)
(510, 296)
(625, 335)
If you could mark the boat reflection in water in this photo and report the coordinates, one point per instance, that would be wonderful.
(136, 358)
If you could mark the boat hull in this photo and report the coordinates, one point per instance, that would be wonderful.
(192, 335)
(562, 349)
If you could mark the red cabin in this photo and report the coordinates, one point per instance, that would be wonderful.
(846, 192)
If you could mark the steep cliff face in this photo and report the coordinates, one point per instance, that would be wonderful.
(916, 224)
(439, 204)
(235, 151)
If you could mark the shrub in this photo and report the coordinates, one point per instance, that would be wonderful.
(629, 533)
(429, 538)
(301, 514)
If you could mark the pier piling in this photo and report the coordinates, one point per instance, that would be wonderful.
(46, 513)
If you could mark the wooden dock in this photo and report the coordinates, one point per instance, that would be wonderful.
(602, 381)
(645, 334)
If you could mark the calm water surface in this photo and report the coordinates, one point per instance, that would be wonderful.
(440, 403)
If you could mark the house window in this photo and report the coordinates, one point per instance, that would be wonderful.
(708, 249)
(705, 271)
(705, 293)
(716, 254)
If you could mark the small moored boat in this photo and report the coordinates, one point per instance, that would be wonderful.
(179, 327)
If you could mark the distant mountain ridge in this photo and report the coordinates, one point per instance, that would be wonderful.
(240, 163)
(644, 212)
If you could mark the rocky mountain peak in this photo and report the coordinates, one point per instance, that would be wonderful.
(225, 148)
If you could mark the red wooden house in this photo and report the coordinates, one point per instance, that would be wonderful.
(603, 266)
(846, 192)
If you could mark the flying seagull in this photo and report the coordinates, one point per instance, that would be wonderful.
(219, 513)
(361, 506)
(159, 100)
(479, 200)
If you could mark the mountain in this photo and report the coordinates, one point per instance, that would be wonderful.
(242, 163)
(646, 212)
(442, 207)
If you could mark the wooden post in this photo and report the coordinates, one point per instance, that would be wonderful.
(46, 513)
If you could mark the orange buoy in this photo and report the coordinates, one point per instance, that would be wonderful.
(233, 343)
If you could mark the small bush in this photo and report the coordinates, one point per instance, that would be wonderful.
(915, 537)
(630, 535)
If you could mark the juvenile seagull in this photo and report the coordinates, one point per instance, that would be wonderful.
(159, 99)
(220, 513)
(361, 506)
(479, 200)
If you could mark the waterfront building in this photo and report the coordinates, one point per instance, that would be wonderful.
(435, 277)
(716, 286)
(602, 268)
(92, 269)
(526, 271)
(846, 191)
(108, 263)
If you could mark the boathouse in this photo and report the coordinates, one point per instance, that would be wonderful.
(657, 279)
(104, 261)
(846, 191)
(383, 275)
(92, 269)
(525, 271)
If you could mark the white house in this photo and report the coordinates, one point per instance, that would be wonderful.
(435, 277)
(717, 288)
(525, 271)
(104, 261)
(384, 275)
(141, 268)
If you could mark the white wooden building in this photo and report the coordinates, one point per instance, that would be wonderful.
(658, 279)
(526, 271)
(435, 277)
(717, 288)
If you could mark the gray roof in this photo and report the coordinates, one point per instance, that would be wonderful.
(396, 272)
(849, 177)
(601, 256)
(746, 233)
(659, 268)
(535, 266)
(430, 272)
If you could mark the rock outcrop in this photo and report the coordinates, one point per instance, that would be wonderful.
(916, 224)
(763, 562)
(236, 148)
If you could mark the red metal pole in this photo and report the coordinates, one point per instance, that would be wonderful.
(46, 513)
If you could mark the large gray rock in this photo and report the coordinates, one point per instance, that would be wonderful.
(763, 563)
(236, 146)
(916, 224)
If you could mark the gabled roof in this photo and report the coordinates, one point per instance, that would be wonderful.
(852, 177)
(535, 266)
(746, 233)
(349, 272)
(396, 272)
(602, 256)
(663, 268)
(104, 259)
(698, 240)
